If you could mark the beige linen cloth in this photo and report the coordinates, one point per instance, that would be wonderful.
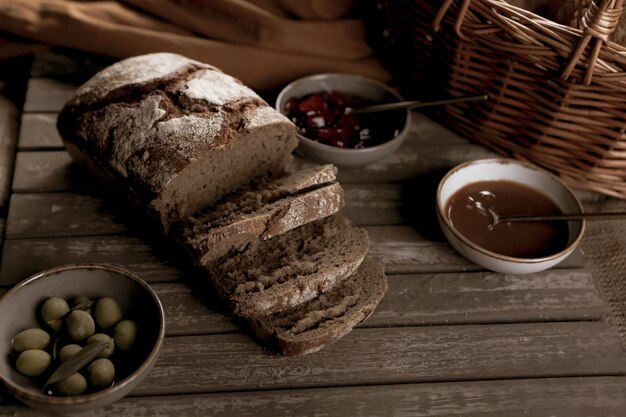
(264, 43)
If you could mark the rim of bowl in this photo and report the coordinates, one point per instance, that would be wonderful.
(87, 398)
(570, 247)
(369, 149)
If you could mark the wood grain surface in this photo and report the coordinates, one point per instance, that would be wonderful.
(545, 397)
(448, 339)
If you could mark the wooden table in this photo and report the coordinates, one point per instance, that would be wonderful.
(449, 339)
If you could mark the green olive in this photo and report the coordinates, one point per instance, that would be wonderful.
(80, 325)
(82, 302)
(101, 337)
(81, 299)
(125, 334)
(52, 310)
(34, 338)
(101, 373)
(108, 312)
(74, 384)
(33, 362)
(67, 351)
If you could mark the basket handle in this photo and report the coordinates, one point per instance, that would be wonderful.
(459, 20)
(598, 22)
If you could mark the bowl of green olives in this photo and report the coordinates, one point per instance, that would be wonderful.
(77, 337)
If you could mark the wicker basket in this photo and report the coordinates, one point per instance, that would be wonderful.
(557, 95)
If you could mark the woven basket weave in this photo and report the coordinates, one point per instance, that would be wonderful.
(557, 95)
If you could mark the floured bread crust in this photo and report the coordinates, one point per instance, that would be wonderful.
(265, 208)
(175, 127)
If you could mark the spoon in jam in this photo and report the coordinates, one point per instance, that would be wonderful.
(496, 218)
(413, 104)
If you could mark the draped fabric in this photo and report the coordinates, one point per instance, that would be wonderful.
(265, 43)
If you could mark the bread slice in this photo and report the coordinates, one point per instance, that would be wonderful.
(289, 269)
(264, 209)
(180, 133)
(317, 323)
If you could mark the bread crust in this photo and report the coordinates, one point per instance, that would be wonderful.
(156, 118)
(172, 136)
(266, 208)
(315, 324)
(284, 215)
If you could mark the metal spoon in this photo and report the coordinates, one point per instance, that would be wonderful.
(496, 218)
(413, 104)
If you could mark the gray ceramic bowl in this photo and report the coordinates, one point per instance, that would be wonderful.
(517, 172)
(346, 83)
(18, 309)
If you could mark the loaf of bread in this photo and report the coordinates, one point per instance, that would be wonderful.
(289, 269)
(265, 208)
(206, 157)
(180, 133)
(310, 326)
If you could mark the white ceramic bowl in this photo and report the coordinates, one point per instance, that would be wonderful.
(519, 172)
(138, 301)
(346, 83)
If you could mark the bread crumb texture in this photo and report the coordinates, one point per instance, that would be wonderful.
(291, 268)
(302, 252)
(310, 326)
(258, 196)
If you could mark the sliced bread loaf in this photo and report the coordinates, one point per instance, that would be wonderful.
(180, 133)
(289, 269)
(265, 208)
(317, 323)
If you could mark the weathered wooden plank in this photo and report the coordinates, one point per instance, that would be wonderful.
(56, 214)
(401, 250)
(9, 122)
(80, 214)
(47, 172)
(374, 204)
(193, 310)
(414, 159)
(60, 214)
(48, 94)
(428, 299)
(38, 131)
(410, 253)
(548, 397)
(24, 257)
(557, 295)
(229, 362)
(406, 250)
(489, 297)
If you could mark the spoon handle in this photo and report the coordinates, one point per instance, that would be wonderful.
(414, 104)
(580, 216)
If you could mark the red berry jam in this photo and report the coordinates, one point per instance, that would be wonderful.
(321, 117)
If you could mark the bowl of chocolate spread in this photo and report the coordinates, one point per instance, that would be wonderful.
(468, 193)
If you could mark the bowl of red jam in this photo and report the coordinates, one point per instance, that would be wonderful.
(468, 192)
(329, 133)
